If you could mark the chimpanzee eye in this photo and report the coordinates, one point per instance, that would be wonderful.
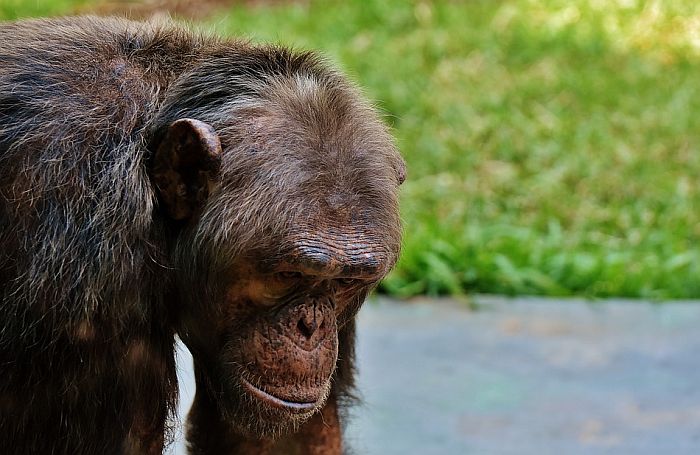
(288, 276)
(280, 284)
(347, 281)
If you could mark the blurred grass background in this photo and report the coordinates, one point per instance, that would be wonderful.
(552, 145)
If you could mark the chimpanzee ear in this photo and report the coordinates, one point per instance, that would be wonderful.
(186, 166)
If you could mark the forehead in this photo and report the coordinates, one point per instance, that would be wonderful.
(308, 157)
(317, 137)
(332, 115)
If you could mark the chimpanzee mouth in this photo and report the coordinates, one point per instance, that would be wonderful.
(266, 397)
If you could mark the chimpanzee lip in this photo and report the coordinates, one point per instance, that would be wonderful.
(276, 401)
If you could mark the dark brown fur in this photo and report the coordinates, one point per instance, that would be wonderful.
(114, 234)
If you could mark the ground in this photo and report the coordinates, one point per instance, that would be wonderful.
(524, 376)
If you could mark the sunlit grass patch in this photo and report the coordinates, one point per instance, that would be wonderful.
(15, 9)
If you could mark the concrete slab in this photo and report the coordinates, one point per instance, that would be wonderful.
(524, 376)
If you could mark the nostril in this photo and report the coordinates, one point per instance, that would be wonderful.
(307, 327)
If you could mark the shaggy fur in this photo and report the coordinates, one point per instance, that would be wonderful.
(95, 277)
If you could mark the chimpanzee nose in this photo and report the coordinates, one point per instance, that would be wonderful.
(313, 321)
(310, 321)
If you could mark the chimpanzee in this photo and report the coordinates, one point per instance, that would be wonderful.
(154, 182)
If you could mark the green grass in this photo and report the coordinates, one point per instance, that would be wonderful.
(552, 145)
(15, 9)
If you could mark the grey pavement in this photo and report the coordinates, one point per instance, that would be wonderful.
(523, 376)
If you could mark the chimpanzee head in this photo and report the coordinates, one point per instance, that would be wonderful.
(283, 185)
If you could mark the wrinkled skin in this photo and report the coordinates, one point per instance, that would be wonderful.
(273, 351)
